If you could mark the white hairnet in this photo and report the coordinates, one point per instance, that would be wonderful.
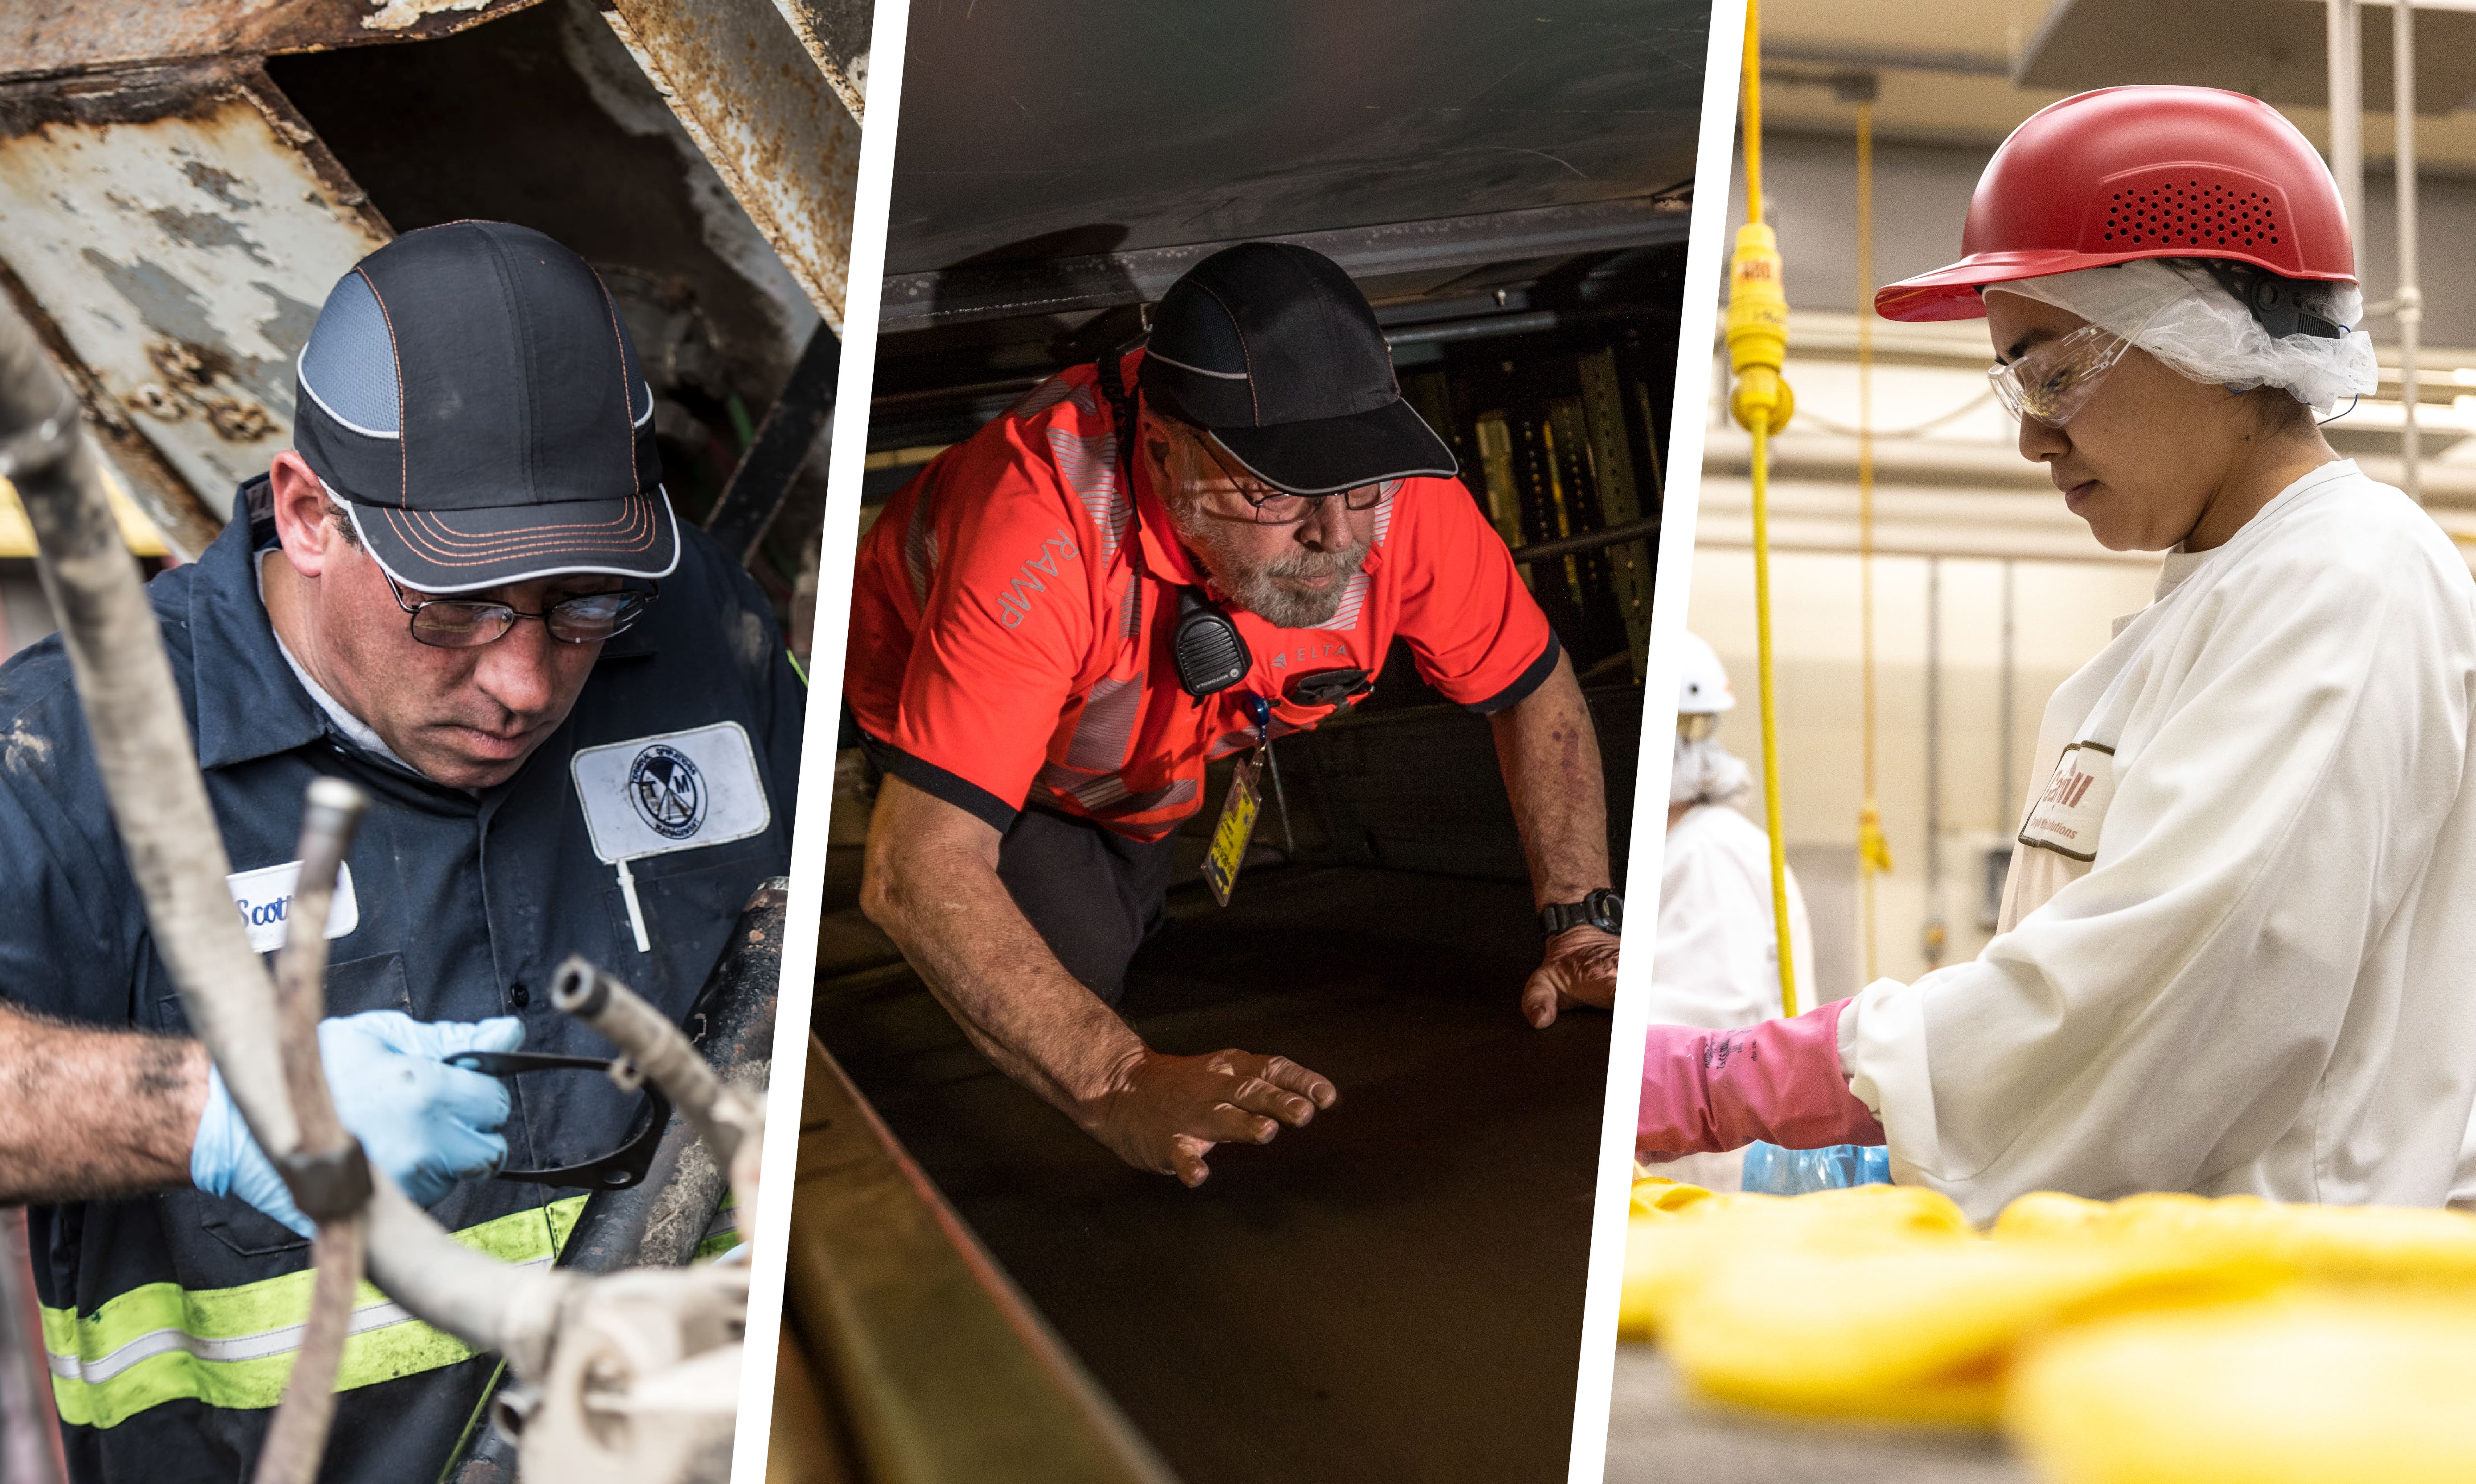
(1706, 772)
(2178, 313)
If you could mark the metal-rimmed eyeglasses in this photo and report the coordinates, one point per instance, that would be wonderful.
(1275, 507)
(461, 623)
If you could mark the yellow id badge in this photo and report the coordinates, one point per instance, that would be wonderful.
(1237, 826)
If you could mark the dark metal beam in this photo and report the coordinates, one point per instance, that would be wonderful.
(1646, 529)
(758, 486)
(953, 296)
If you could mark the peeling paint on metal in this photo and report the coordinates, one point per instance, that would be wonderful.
(402, 15)
(620, 88)
(835, 35)
(759, 108)
(50, 38)
(180, 257)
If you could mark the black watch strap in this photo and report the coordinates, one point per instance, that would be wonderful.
(1602, 910)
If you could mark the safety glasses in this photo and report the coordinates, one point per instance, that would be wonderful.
(1278, 506)
(457, 623)
(2056, 379)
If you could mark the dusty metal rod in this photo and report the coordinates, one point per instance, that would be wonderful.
(1588, 540)
(721, 1115)
(140, 736)
(330, 1177)
(487, 1303)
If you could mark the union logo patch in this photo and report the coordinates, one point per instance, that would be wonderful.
(668, 791)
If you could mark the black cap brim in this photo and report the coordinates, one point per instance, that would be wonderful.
(462, 551)
(1327, 455)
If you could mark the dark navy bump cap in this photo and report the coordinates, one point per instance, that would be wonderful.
(1271, 347)
(472, 394)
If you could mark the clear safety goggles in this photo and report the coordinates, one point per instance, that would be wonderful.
(2056, 379)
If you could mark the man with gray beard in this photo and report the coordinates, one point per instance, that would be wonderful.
(1056, 626)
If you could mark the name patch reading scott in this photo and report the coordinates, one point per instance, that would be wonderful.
(2066, 817)
(675, 792)
(263, 897)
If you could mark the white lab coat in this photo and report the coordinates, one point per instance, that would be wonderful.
(1715, 960)
(2265, 980)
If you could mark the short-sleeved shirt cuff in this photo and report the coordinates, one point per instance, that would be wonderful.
(940, 784)
(1524, 684)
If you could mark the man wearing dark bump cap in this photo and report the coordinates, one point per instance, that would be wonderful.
(463, 589)
(1018, 614)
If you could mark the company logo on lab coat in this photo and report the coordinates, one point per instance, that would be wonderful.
(2068, 814)
(668, 791)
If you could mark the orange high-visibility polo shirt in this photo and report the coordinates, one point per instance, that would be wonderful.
(1006, 650)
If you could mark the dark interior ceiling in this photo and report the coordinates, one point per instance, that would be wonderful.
(1190, 123)
(1059, 161)
(1088, 147)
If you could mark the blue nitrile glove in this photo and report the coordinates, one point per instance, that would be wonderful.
(425, 1123)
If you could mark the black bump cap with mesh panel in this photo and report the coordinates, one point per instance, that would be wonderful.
(470, 391)
(1271, 347)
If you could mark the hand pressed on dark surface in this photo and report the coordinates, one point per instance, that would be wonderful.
(1163, 1113)
(1579, 969)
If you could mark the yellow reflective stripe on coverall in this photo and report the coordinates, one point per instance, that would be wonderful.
(234, 1346)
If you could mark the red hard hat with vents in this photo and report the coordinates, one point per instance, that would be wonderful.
(2139, 172)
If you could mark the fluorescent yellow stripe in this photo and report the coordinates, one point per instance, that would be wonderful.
(234, 1346)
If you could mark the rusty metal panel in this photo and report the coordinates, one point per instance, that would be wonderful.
(759, 107)
(43, 37)
(179, 228)
(835, 35)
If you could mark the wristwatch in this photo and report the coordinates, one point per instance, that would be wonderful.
(1602, 910)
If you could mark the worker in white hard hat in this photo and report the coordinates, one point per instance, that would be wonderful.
(1715, 962)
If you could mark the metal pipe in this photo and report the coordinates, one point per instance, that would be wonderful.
(722, 1116)
(2411, 297)
(328, 1174)
(660, 1222)
(488, 1305)
(2348, 110)
(141, 736)
(1588, 540)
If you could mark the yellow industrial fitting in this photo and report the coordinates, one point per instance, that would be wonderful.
(1758, 331)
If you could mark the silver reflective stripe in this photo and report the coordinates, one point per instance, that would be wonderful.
(257, 1347)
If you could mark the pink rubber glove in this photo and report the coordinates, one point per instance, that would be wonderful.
(1712, 1090)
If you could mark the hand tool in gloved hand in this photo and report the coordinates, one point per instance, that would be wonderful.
(622, 1168)
(425, 1123)
(1712, 1090)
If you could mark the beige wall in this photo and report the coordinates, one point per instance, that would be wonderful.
(2063, 614)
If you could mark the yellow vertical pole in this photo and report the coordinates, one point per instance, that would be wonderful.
(1757, 347)
(1873, 851)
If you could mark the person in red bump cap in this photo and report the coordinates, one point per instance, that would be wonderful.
(2233, 950)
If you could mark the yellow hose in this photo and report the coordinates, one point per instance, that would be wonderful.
(1762, 403)
(1873, 851)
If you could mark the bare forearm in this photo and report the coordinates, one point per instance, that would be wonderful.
(945, 908)
(86, 1113)
(1550, 759)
